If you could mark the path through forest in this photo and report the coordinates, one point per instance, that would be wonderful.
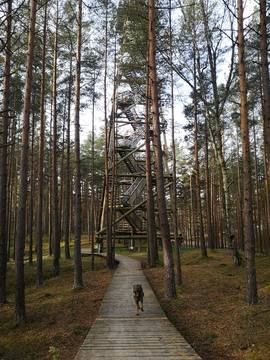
(119, 334)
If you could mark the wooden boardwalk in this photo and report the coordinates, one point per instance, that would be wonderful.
(119, 334)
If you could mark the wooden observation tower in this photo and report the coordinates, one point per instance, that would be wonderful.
(127, 197)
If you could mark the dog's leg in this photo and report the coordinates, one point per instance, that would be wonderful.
(142, 306)
(138, 307)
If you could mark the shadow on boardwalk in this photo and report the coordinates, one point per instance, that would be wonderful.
(119, 334)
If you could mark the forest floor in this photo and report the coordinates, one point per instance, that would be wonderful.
(58, 317)
(210, 309)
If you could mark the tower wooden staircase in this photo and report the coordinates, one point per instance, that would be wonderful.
(126, 138)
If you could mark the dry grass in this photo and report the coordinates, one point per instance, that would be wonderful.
(58, 317)
(210, 309)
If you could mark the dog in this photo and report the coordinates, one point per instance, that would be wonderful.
(138, 295)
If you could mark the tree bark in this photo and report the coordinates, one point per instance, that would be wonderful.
(50, 192)
(196, 156)
(93, 227)
(62, 170)
(107, 185)
(240, 198)
(217, 135)
(66, 213)
(55, 211)
(3, 158)
(210, 234)
(12, 175)
(266, 101)
(192, 212)
(151, 224)
(32, 191)
(20, 238)
(178, 270)
(252, 297)
(78, 281)
(258, 207)
(41, 154)
(170, 290)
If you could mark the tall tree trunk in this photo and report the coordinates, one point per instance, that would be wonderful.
(93, 227)
(170, 290)
(196, 155)
(240, 198)
(216, 135)
(107, 185)
(20, 238)
(41, 154)
(214, 207)
(32, 191)
(10, 180)
(151, 224)
(199, 219)
(62, 170)
(66, 215)
(55, 212)
(15, 191)
(192, 212)
(266, 101)
(11, 187)
(113, 170)
(210, 234)
(50, 192)
(178, 272)
(259, 220)
(252, 297)
(3, 158)
(78, 282)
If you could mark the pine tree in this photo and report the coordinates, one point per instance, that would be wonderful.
(3, 156)
(170, 290)
(252, 297)
(41, 154)
(78, 282)
(20, 238)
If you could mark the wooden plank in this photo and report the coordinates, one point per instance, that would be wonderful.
(119, 334)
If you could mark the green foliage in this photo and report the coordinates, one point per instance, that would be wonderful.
(211, 336)
(132, 30)
(79, 329)
(86, 160)
(54, 353)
